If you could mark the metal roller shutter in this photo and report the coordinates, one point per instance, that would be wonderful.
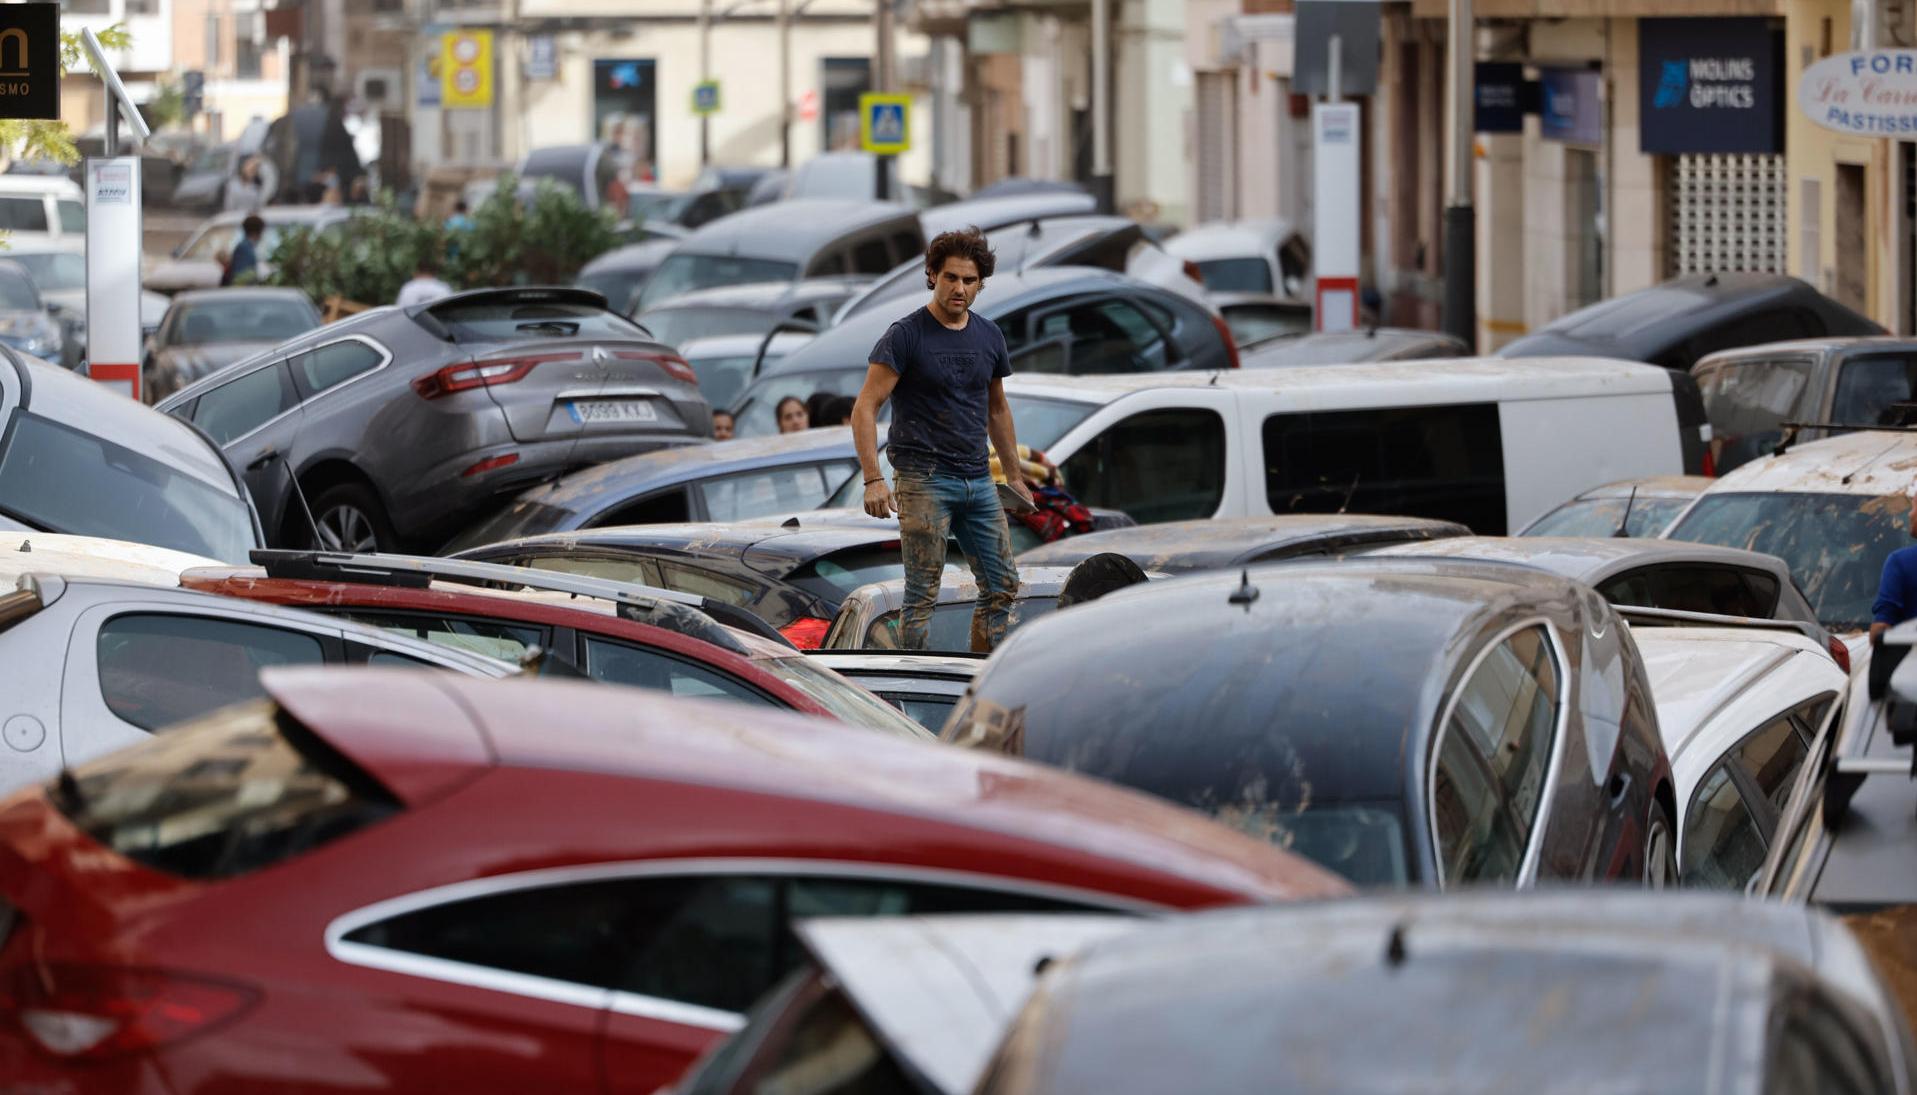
(1217, 113)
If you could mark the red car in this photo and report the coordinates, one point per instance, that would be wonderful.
(612, 632)
(404, 881)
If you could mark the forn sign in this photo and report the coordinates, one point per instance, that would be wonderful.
(29, 61)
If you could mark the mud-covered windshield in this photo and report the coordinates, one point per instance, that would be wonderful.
(1835, 544)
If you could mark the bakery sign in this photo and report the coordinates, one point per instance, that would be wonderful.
(1870, 93)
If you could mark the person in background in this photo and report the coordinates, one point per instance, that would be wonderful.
(722, 423)
(245, 262)
(244, 193)
(425, 286)
(792, 415)
(461, 220)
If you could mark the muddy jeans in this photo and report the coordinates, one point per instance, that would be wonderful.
(932, 506)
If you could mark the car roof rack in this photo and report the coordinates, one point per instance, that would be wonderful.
(1907, 412)
(685, 613)
(1677, 617)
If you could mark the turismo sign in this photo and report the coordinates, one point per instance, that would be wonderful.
(1871, 94)
(1709, 85)
(30, 61)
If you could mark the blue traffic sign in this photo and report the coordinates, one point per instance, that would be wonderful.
(884, 123)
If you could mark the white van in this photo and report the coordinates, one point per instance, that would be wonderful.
(42, 207)
(1488, 442)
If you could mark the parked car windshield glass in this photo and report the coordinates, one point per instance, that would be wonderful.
(1835, 544)
(1041, 422)
(757, 412)
(617, 286)
(676, 326)
(1236, 275)
(251, 320)
(721, 379)
(951, 627)
(16, 292)
(1255, 323)
(206, 247)
(847, 701)
(1868, 385)
(1748, 403)
(1599, 517)
(521, 320)
(52, 270)
(685, 273)
(127, 496)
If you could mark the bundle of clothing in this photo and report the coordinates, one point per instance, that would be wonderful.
(1055, 513)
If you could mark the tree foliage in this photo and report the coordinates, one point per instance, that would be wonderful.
(542, 241)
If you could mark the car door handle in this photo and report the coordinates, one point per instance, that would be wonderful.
(263, 459)
(1620, 786)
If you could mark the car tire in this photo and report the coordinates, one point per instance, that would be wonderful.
(351, 518)
(1660, 851)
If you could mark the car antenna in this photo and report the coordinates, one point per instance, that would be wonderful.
(1025, 252)
(1625, 521)
(1861, 468)
(1394, 947)
(70, 789)
(1245, 593)
(25, 545)
(274, 454)
(1349, 491)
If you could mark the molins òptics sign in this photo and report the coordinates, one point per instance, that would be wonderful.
(29, 60)
(1710, 85)
(1871, 94)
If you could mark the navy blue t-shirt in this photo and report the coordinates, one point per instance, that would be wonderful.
(1897, 588)
(945, 382)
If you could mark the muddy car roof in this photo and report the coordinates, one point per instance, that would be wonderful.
(1585, 558)
(769, 548)
(1865, 462)
(1341, 666)
(1215, 542)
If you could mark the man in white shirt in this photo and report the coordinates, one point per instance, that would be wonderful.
(425, 286)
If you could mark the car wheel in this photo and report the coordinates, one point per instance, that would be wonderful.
(1660, 852)
(350, 518)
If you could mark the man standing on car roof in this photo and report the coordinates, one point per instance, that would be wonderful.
(1896, 602)
(944, 369)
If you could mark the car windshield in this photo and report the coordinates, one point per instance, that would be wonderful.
(1835, 544)
(656, 206)
(756, 414)
(127, 495)
(1039, 423)
(1599, 517)
(1254, 323)
(511, 320)
(1364, 842)
(833, 576)
(721, 379)
(213, 159)
(16, 293)
(521, 518)
(218, 238)
(52, 270)
(677, 326)
(244, 320)
(845, 700)
(685, 273)
(1251, 275)
(617, 286)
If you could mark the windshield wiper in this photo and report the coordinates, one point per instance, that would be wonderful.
(549, 327)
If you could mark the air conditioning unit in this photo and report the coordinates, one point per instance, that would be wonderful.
(379, 87)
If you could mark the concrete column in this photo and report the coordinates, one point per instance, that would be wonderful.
(1635, 202)
(1501, 241)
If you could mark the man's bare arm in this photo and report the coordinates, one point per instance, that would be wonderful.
(998, 423)
(879, 382)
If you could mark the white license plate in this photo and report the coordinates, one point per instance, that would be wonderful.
(612, 410)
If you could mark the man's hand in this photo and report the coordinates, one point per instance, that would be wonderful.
(878, 499)
(1018, 487)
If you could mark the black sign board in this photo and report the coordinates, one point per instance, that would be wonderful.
(1355, 24)
(29, 61)
(1710, 85)
(1498, 105)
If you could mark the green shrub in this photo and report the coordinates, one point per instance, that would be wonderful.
(368, 257)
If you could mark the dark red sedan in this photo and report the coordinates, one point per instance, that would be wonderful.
(405, 881)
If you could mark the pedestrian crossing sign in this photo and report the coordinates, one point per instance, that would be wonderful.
(884, 126)
(705, 97)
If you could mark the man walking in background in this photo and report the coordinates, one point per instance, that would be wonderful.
(944, 370)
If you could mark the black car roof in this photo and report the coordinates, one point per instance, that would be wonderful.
(850, 343)
(765, 547)
(1477, 992)
(1178, 546)
(1645, 325)
(1203, 688)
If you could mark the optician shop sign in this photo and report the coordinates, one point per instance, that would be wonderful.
(1709, 85)
(1872, 93)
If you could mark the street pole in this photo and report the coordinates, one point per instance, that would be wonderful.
(1103, 190)
(705, 74)
(1460, 221)
(785, 84)
(887, 81)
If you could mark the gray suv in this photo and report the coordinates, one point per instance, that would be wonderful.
(401, 425)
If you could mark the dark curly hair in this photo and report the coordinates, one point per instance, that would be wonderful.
(964, 243)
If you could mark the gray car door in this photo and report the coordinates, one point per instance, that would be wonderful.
(255, 417)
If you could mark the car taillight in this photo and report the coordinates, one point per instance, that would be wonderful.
(491, 463)
(1192, 272)
(86, 1012)
(1840, 653)
(674, 366)
(1231, 344)
(481, 374)
(1710, 462)
(806, 632)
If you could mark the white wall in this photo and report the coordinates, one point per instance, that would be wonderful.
(1151, 101)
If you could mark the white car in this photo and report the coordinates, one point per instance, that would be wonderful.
(42, 208)
(99, 647)
(1740, 709)
(1248, 256)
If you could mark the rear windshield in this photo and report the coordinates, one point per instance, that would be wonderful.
(1835, 544)
(951, 628)
(835, 576)
(247, 321)
(1041, 422)
(1236, 275)
(16, 292)
(128, 496)
(685, 273)
(1599, 517)
(847, 701)
(521, 518)
(677, 326)
(525, 320)
(757, 413)
(617, 286)
(53, 270)
(237, 791)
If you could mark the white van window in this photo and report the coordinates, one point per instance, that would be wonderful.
(1444, 462)
(73, 215)
(23, 214)
(1166, 465)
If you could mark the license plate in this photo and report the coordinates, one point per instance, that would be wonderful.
(612, 410)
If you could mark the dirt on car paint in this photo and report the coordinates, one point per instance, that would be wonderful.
(1889, 936)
